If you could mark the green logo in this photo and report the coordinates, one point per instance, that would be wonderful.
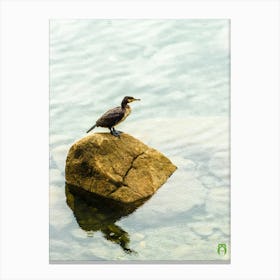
(222, 249)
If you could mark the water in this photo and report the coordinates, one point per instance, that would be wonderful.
(180, 70)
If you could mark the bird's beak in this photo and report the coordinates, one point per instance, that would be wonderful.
(136, 99)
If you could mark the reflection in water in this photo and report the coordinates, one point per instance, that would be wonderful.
(94, 213)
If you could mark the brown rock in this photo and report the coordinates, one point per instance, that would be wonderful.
(123, 169)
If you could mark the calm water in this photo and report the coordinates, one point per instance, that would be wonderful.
(180, 70)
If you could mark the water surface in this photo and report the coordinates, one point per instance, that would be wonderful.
(180, 70)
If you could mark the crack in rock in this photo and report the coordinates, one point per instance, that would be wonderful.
(119, 185)
(131, 165)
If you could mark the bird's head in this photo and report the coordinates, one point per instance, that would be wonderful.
(129, 99)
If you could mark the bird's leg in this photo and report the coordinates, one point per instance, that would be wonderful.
(117, 131)
(114, 132)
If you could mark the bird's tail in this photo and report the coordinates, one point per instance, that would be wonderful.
(91, 128)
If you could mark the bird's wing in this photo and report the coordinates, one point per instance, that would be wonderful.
(111, 117)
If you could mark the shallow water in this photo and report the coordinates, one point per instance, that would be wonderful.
(180, 70)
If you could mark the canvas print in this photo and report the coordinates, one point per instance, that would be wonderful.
(139, 140)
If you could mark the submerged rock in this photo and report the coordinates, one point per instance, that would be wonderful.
(123, 169)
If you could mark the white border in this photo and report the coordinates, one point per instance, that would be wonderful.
(255, 138)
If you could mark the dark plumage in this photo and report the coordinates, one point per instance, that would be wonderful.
(114, 116)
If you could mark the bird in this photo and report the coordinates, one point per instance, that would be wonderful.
(115, 116)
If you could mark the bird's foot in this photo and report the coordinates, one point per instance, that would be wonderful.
(115, 133)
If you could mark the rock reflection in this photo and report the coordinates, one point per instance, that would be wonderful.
(94, 213)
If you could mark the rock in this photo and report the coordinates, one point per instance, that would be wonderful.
(123, 169)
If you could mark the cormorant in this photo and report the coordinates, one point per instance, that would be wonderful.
(114, 116)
